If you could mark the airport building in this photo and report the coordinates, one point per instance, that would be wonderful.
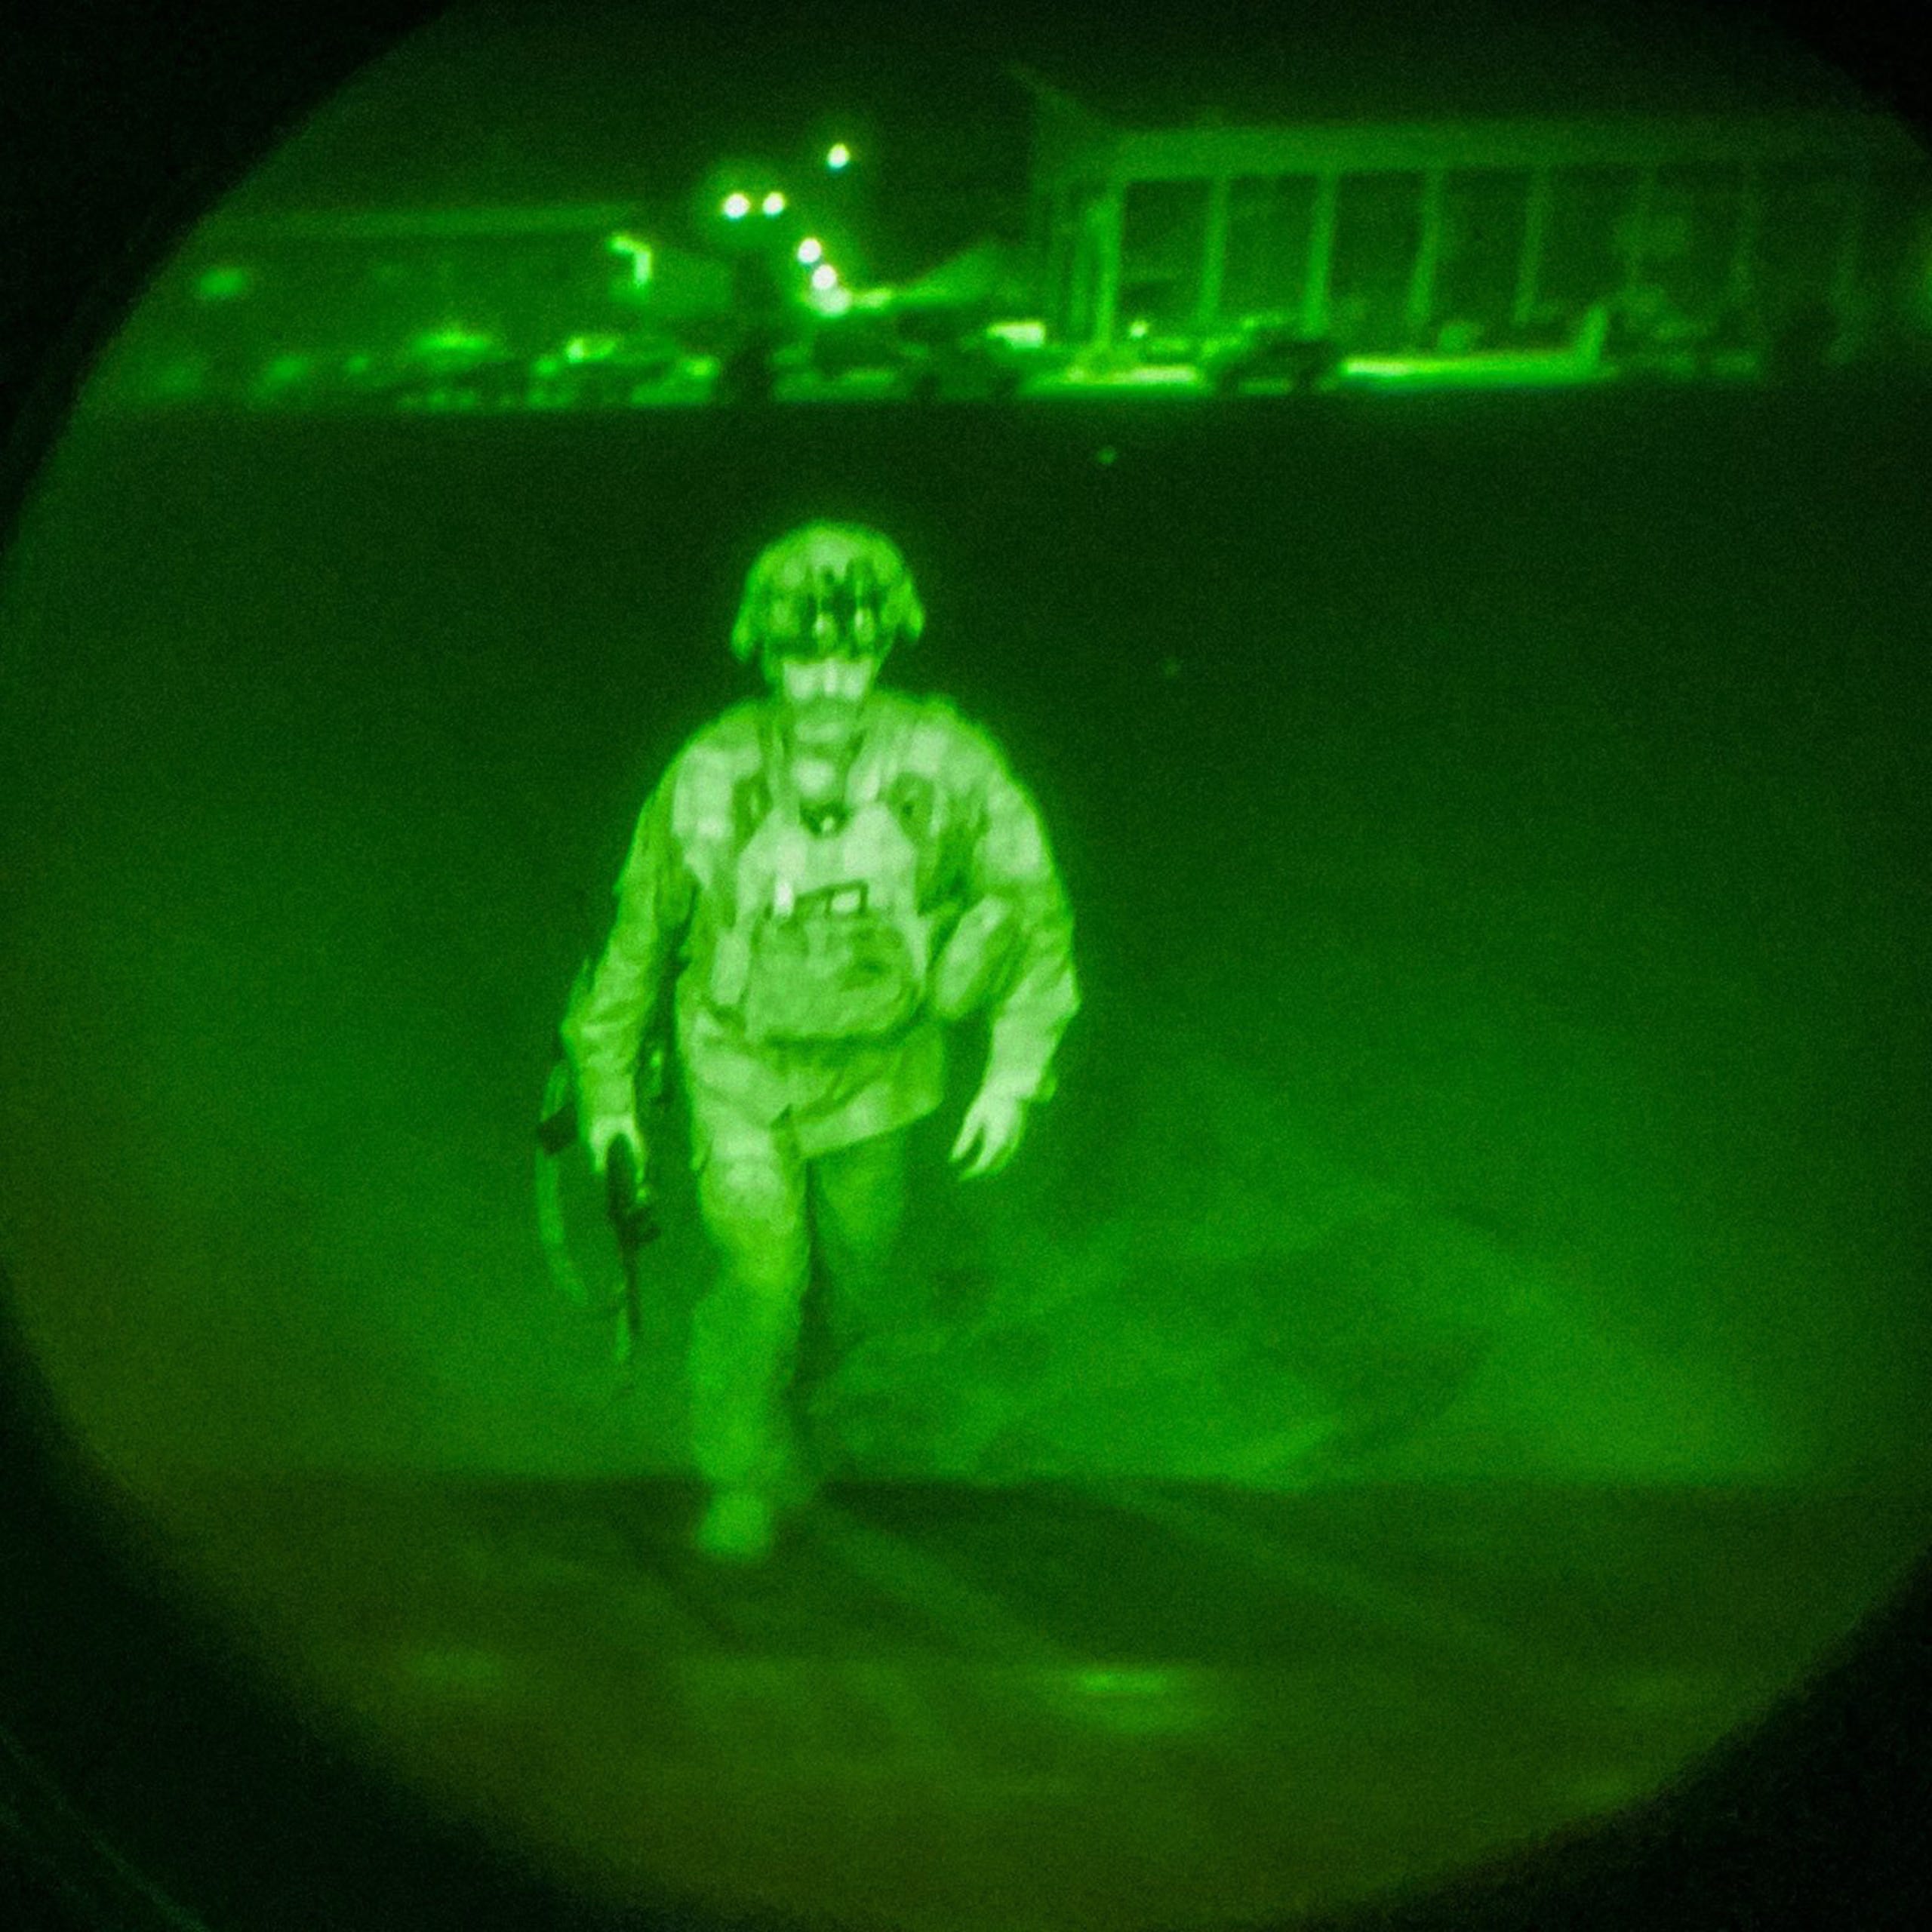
(1420, 238)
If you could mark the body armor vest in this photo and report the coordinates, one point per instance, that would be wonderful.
(828, 943)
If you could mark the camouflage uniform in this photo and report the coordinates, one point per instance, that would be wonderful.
(814, 986)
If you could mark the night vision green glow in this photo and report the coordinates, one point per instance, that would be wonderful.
(1143, 1137)
(223, 283)
(454, 340)
(639, 252)
(892, 879)
(1272, 260)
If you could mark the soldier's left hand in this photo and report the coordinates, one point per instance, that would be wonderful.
(994, 1124)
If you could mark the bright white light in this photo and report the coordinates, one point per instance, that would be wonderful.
(839, 155)
(810, 249)
(736, 206)
(774, 203)
(824, 276)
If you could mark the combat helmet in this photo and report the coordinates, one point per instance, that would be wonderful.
(824, 588)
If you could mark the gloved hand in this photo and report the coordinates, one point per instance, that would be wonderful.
(604, 1129)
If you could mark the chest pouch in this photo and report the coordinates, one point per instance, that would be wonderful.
(829, 969)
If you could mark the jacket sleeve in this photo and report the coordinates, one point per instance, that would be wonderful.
(604, 1028)
(1040, 995)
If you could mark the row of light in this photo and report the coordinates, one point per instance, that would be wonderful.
(736, 206)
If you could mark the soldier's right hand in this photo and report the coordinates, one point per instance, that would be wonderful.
(604, 1131)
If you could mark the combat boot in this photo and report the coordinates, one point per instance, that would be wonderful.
(738, 1526)
(742, 1522)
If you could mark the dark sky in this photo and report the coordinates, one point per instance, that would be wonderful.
(599, 102)
(1324, 59)
(522, 103)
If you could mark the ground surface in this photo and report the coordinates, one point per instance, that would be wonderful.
(1046, 1706)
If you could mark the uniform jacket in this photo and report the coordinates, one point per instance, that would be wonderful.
(939, 830)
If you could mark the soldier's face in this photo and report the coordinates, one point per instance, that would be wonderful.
(826, 695)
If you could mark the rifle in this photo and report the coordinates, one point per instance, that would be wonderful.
(633, 1212)
(628, 1200)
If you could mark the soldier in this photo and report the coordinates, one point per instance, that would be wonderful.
(841, 872)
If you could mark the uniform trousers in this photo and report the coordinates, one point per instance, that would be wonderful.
(766, 1208)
